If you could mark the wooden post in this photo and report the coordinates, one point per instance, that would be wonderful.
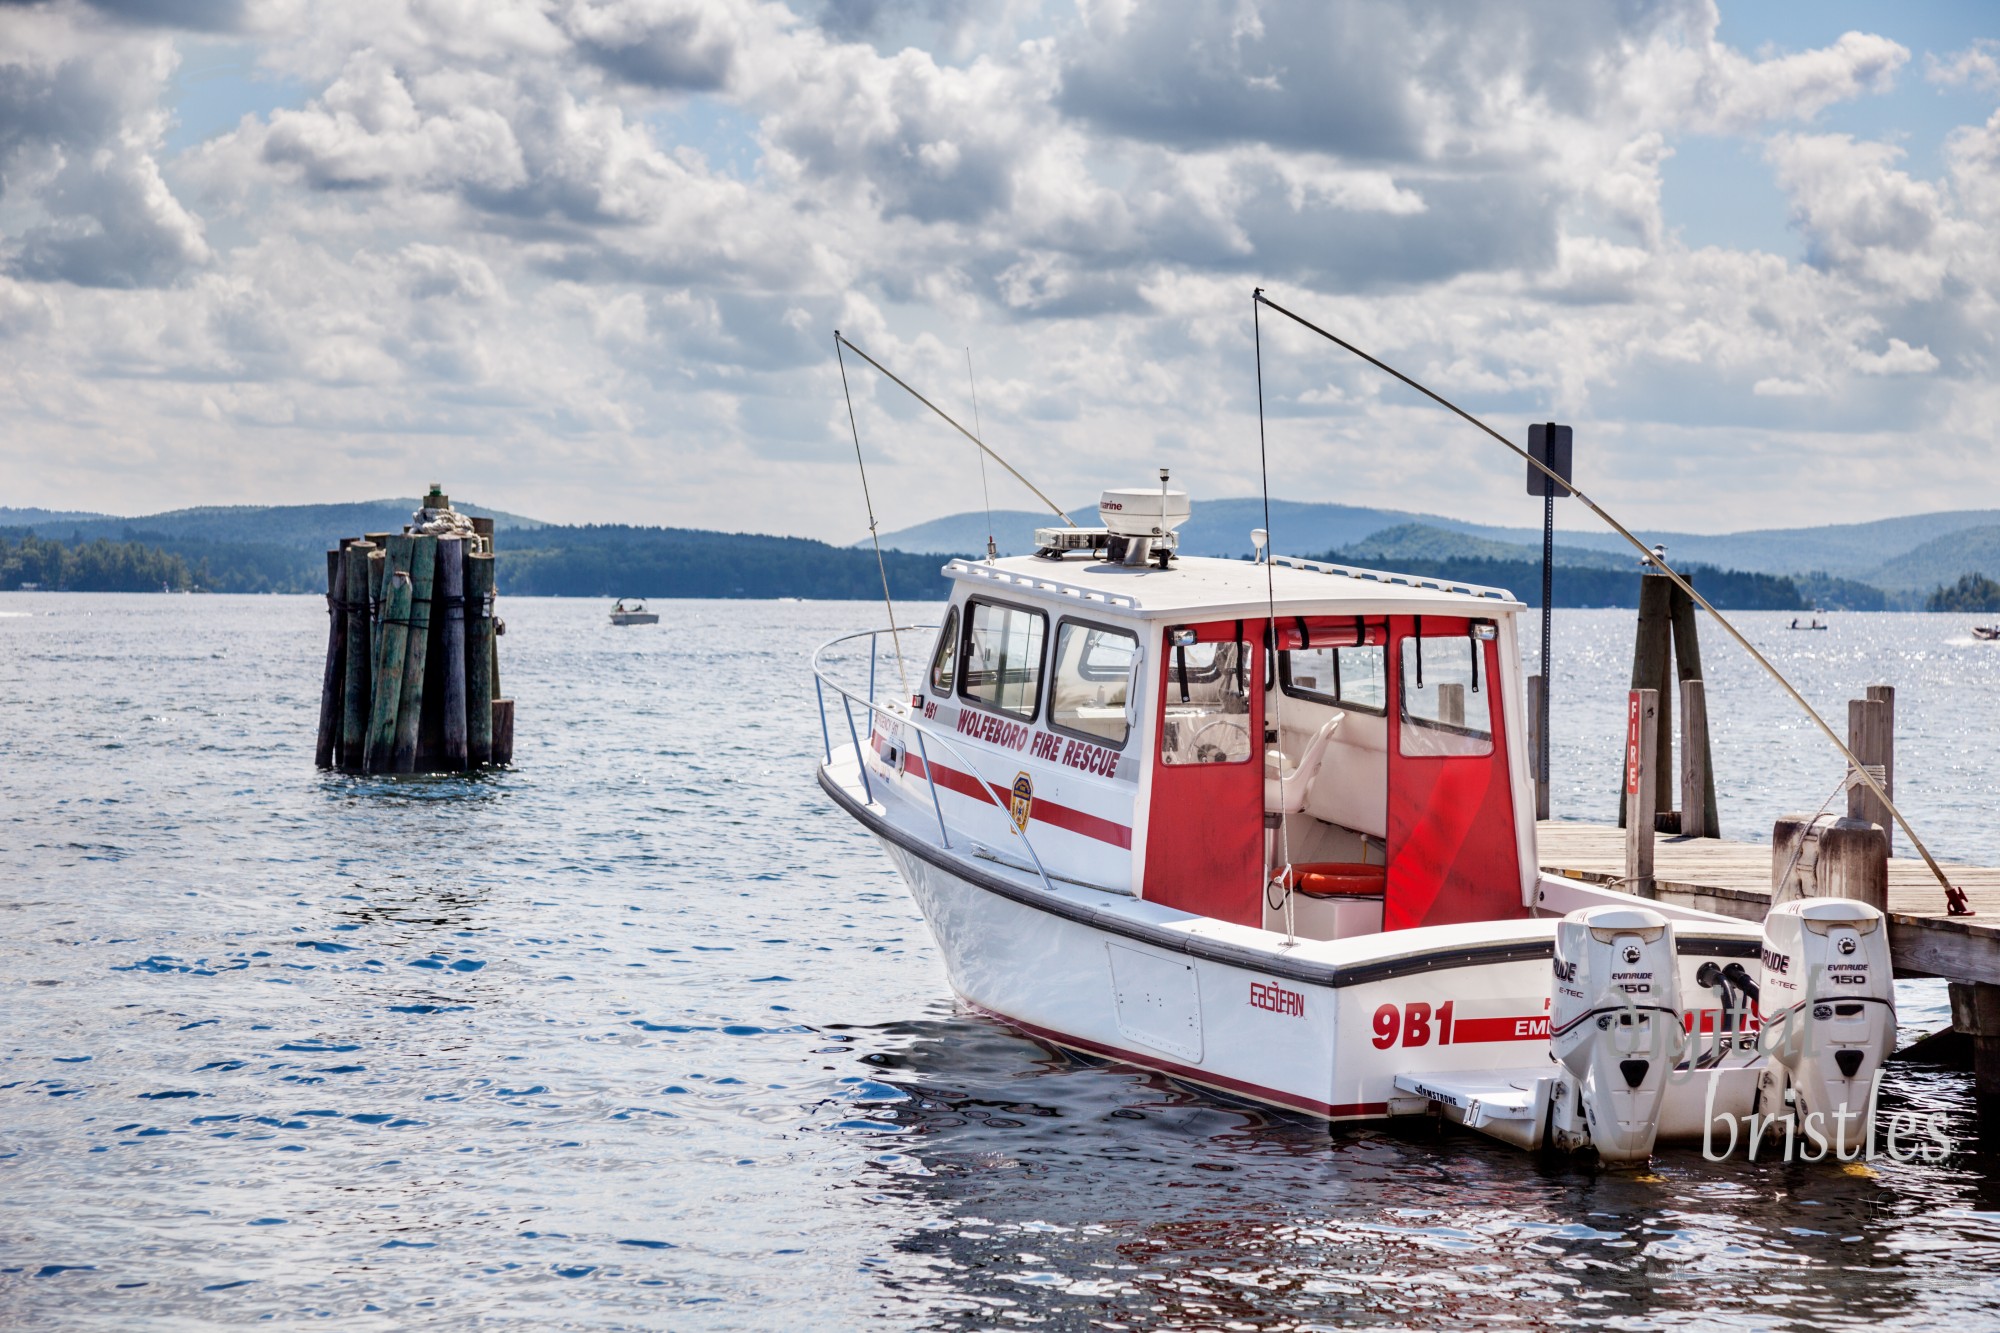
(478, 659)
(1854, 862)
(1886, 696)
(1451, 705)
(378, 562)
(1650, 670)
(416, 651)
(331, 697)
(354, 711)
(1642, 710)
(1975, 1011)
(1537, 747)
(1868, 737)
(503, 732)
(393, 638)
(1697, 792)
(1687, 662)
(451, 610)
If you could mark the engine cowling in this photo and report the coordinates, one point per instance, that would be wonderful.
(1615, 1021)
(1829, 1004)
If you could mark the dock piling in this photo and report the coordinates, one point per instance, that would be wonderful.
(450, 599)
(416, 651)
(1871, 734)
(1697, 786)
(354, 675)
(336, 654)
(409, 679)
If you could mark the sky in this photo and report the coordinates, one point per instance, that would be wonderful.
(583, 259)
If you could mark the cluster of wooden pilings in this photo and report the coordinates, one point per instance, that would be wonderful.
(412, 679)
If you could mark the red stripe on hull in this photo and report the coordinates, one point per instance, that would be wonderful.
(1044, 811)
(1219, 1082)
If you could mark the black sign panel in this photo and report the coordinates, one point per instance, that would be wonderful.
(1549, 445)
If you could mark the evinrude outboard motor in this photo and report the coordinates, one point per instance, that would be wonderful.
(1829, 1003)
(1615, 1022)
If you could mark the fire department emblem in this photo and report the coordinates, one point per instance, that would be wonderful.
(1022, 806)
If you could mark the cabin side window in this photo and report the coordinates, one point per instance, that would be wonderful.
(944, 662)
(1445, 695)
(1205, 717)
(1093, 678)
(1002, 658)
(1350, 677)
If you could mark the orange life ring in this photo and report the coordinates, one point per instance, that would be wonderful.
(1343, 879)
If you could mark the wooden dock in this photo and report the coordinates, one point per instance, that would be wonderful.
(1734, 878)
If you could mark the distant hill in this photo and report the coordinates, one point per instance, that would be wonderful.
(309, 527)
(1422, 541)
(1582, 579)
(1218, 527)
(617, 561)
(1942, 561)
(1846, 564)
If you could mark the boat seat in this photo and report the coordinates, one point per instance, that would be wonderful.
(1285, 792)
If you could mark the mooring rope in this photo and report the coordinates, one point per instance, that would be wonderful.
(840, 341)
(895, 634)
(1955, 902)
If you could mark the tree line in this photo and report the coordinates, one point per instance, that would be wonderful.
(96, 566)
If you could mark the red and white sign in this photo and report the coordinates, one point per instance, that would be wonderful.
(1632, 744)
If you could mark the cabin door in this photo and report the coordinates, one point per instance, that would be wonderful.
(1452, 855)
(1205, 830)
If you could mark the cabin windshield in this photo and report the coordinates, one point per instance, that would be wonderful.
(1093, 680)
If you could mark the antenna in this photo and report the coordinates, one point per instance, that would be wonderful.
(1054, 508)
(895, 636)
(992, 551)
(1955, 902)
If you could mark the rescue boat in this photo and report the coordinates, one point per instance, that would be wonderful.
(1267, 827)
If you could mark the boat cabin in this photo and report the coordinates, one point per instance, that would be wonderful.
(1183, 730)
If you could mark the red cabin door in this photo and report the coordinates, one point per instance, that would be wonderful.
(1205, 829)
(1452, 853)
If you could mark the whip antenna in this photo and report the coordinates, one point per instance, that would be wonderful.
(992, 551)
(840, 342)
(895, 636)
(1955, 903)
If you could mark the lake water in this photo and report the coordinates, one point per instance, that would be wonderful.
(644, 1034)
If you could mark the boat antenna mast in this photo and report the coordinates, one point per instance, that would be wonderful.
(992, 551)
(895, 635)
(1955, 902)
(840, 341)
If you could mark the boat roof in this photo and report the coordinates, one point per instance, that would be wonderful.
(1210, 587)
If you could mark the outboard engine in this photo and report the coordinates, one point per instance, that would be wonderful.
(1615, 1022)
(1829, 1003)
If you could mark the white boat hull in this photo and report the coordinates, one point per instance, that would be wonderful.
(1327, 1028)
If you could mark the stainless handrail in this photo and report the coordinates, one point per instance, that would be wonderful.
(822, 680)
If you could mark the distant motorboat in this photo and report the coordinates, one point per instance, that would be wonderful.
(1987, 632)
(634, 614)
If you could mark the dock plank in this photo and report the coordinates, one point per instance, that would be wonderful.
(1734, 878)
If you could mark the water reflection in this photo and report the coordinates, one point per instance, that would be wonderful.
(1101, 1195)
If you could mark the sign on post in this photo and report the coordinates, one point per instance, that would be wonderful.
(1549, 445)
(1642, 713)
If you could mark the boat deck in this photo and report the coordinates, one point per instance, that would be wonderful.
(1734, 878)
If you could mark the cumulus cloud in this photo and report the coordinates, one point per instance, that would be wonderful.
(565, 240)
(1978, 66)
(79, 127)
